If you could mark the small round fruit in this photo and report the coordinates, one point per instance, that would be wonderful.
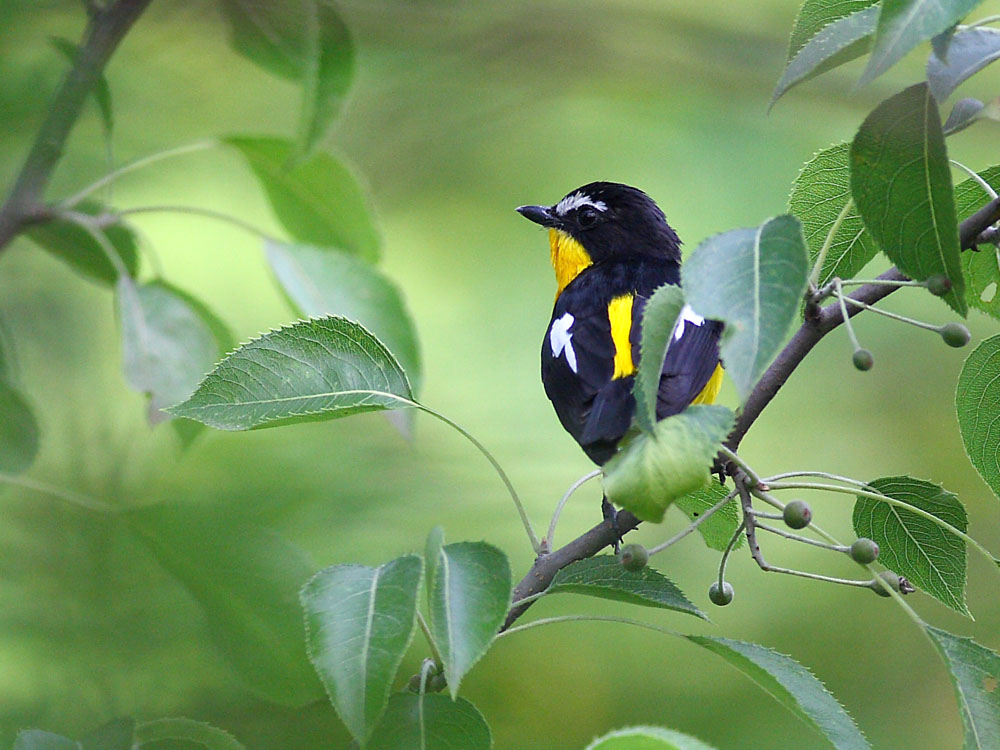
(633, 557)
(939, 285)
(436, 683)
(864, 551)
(797, 514)
(863, 360)
(884, 579)
(955, 334)
(721, 596)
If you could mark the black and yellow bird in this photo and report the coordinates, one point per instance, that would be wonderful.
(611, 248)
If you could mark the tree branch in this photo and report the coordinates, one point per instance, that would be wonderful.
(24, 205)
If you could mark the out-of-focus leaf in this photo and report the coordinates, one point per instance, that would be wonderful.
(971, 50)
(315, 369)
(647, 738)
(329, 77)
(18, 431)
(102, 91)
(470, 587)
(74, 245)
(793, 686)
(36, 739)
(963, 114)
(430, 722)
(186, 730)
(980, 268)
(901, 182)
(246, 578)
(651, 471)
(931, 557)
(719, 529)
(977, 403)
(604, 577)
(941, 43)
(752, 280)
(117, 734)
(317, 200)
(359, 622)
(659, 319)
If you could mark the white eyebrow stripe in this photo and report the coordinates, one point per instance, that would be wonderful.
(576, 200)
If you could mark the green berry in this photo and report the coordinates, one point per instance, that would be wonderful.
(884, 579)
(864, 551)
(721, 596)
(436, 683)
(955, 334)
(797, 514)
(938, 285)
(633, 557)
(863, 359)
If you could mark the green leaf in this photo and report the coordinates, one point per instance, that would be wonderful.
(470, 588)
(36, 739)
(322, 281)
(659, 319)
(963, 114)
(980, 268)
(317, 200)
(102, 91)
(18, 431)
(818, 197)
(246, 579)
(977, 403)
(315, 369)
(931, 557)
(187, 730)
(901, 182)
(649, 472)
(941, 43)
(432, 554)
(430, 722)
(359, 622)
(74, 245)
(752, 280)
(835, 44)
(117, 734)
(328, 78)
(975, 674)
(903, 24)
(169, 341)
(792, 685)
(647, 738)
(719, 529)
(604, 577)
(971, 50)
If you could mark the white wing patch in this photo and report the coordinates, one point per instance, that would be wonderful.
(576, 200)
(561, 340)
(687, 316)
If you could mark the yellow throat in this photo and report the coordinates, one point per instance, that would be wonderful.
(568, 258)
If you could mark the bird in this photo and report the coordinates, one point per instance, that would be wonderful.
(611, 247)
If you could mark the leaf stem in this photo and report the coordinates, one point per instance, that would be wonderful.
(847, 320)
(198, 211)
(91, 225)
(894, 316)
(586, 618)
(435, 653)
(972, 173)
(827, 243)
(803, 539)
(547, 542)
(727, 551)
(983, 21)
(732, 456)
(693, 525)
(73, 498)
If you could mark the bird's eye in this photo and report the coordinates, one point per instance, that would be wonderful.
(587, 217)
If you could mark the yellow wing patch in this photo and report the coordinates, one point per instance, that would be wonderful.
(711, 390)
(620, 315)
(568, 258)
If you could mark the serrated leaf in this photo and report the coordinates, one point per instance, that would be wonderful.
(971, 50)
(315, 369)
(197, 732)
(816, 15)
(719, 529)
(977, 403)
(647, 738)
(975, 675)
(793, 686)
(430, 722)
(36, 739)
(980, 268)
(18, 431)
(963, 114)
(752, 280)
(818, 197)
(117, 734)
(649, 472)
(470, 588)
(74, 245)
(317, 200)
(901, 182)
(835, 44)
(324, 281)
(102, 91)
(246, 579)
(903, 24)
(359, 622)
(659, 319)
(604, 577)
(169, 341)
(931, 557)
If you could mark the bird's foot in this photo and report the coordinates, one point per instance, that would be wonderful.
(611, 514)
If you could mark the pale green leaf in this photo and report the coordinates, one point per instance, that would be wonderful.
(793, 686)
(971, 50)
(719, 529)
(18, 431)
(315, 369)
(649, 472)
(604, 577)
(197, 732)
(977, 403)
(901, 182)
(36, 739)
(359, 622)
(931, 557)
(430, 722)
(647, 738)
(963, 114)
(470, 589)
(752, 280)
(981, 266)
(659, 319)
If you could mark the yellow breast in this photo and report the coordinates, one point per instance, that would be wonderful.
(568, 258)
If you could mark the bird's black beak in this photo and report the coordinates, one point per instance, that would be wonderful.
(538, 214)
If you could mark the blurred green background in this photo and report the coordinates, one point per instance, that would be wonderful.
(460, 112)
